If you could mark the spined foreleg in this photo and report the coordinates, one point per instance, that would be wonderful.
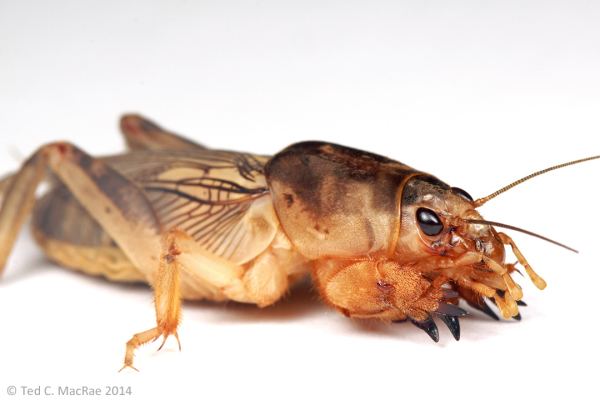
(386, 290)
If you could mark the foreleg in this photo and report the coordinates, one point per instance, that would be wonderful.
(143, 134)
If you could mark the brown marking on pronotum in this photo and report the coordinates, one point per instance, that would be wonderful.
(370, 233)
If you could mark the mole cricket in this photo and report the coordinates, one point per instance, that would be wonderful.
(379, 239)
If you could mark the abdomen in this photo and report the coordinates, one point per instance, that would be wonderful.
(71, 237)
(219, 199)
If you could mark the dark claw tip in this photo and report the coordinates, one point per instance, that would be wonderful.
(521, 303)
(517, 317)
(429, 327)
(453, 325)
(484, 308)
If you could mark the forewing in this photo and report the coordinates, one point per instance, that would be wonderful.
(219, 198)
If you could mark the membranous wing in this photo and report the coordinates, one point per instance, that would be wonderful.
(219, 198)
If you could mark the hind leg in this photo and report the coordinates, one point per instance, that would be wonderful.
(143, 134)
(115, 203)
(124, 212)
(4, 182)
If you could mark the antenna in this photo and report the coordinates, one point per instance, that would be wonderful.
(514, 228)
(483, 200)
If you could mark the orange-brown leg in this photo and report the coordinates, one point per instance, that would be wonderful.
(143, 134)
(386, 290)
(4, 182)
(167, 299)
(117, 204)
(535, 278)
(507, 302)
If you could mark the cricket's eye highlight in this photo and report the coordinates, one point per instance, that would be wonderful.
(429, 222)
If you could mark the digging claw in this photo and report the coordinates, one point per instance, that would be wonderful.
(521, 303)
(453, 325)
(449, 314)
(485, 308)
(429, 327)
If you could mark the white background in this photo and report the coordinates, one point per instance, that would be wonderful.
(476, 92)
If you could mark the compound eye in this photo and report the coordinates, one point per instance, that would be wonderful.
(429, 222)
(462, 193)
